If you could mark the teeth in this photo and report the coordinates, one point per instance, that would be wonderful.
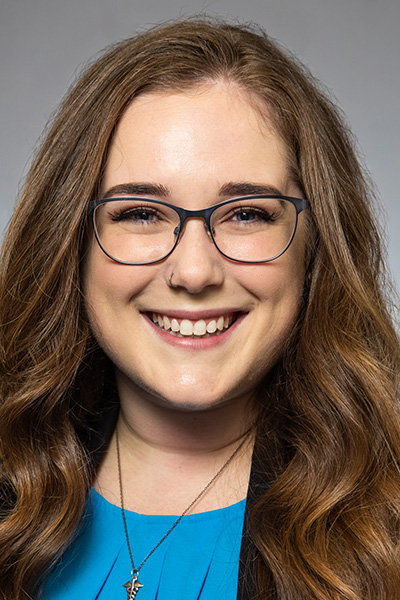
(189, 328)
(211, 327)
(186, 327)
(199, 328)
(175, 325)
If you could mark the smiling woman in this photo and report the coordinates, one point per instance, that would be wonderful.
(199, 386)
(176, 143)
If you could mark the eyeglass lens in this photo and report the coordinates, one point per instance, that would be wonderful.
(137, 231)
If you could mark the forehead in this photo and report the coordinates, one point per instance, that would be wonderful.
(221, 105)
(212, 132)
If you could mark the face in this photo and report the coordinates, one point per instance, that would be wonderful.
(195, 149)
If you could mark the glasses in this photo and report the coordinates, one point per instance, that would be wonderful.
(251, 229)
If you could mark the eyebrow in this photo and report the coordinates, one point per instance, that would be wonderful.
(246, 188)
(230, 190)
(137, 189)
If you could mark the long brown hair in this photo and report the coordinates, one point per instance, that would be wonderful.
(328, 528)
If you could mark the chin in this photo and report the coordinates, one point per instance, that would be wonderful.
(185, 393)
(185, 399)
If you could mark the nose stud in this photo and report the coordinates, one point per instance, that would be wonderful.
(172, 285)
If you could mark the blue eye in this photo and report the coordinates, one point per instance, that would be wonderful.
(135, 214)
(244, 215)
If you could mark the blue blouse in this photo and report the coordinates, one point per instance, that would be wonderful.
(199, 559)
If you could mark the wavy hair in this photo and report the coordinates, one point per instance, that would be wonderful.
(329, 526)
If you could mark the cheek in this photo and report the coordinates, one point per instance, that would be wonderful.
(108, 287)
(279, 282)
(278, 289)
(102, 277)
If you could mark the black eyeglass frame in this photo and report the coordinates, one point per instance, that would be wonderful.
(300, 204)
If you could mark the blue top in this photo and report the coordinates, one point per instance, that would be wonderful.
(199, 559)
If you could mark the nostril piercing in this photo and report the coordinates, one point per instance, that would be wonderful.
(172, 285)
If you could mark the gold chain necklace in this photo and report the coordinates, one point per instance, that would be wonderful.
(133, 586)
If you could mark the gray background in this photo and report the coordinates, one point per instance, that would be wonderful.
(353, 46)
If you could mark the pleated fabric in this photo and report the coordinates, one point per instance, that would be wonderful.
(198, 560)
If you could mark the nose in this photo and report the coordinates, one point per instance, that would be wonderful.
(196, 262)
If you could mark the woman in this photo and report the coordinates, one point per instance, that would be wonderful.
(192, 297)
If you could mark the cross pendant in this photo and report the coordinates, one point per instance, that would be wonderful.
(132, 587)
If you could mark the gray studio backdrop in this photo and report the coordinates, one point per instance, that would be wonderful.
(353, 46)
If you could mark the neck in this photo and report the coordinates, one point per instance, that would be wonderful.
(169, 453)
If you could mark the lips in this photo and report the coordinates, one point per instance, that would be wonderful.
(200, 328)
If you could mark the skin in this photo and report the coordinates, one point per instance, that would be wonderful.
(185, 402)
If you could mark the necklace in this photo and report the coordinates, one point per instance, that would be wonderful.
(133, 586)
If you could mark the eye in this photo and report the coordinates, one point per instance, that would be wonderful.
(252, 214)
(136, 214)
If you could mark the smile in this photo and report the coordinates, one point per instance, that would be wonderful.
(188, 328)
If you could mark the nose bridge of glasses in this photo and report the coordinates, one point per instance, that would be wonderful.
(197, 215)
